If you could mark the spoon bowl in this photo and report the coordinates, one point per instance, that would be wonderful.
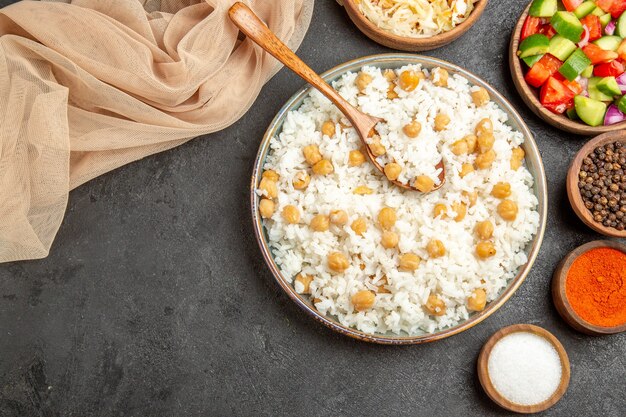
(364, 124)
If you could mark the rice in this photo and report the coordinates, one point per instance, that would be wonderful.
(297, 249)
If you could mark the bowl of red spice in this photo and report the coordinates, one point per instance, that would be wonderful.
(589, 288)
(596, 184)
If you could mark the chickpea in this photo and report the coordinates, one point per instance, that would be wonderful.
(391, 92)
(356, 158)
(390, 239)
(501, 190)
(409, 262)
(269, 188)
(484, 230)
(471, 140)
(409, 80)
(392, 171)
(413, 129)
(517, 157)
(363, 300)
(477, 301)
(328, 128)
(424, 183)
(266, 208)
(377, 148)
(389, 75)
(485, 250)
(338, 217)
(291, 214)
(271, 175)
(320, 223)
(507, 209)
(471, 197)
(301, 180)
(338, 262)
(480, 97)
(362, 190)
(441, 122)
(359, 226)
(312, 154)
(435, 306)
(466, 169)
(363, 80)
(484, 127)
(459, 147)
(435, 248)
(387, 218)
(461, 211)
(323, 167)
(440, 210)
(485, 142)
(439, 77)
(382, 288)
(302, 284)
(485, 160)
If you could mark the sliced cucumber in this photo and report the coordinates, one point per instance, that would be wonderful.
(621, 25)
(621, 104)
(575, 65)
(571, 113)
(561, 48)
(587, 72)
(608, 43)
(589, 110)
(608, 86)
(605, 19)
(536, 44)
(567, 25)
(595, 93)
(598, 12)
(584, 9)
(532, 60)
(543, 8)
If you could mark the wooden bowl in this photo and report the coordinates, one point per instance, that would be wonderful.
(485, 380)
(403, 43)
(560, 297)
(573, 192)
(530, 95)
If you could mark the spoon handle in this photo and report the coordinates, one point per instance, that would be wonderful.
(250, 24)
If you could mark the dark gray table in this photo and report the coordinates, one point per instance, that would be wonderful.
(155, 300)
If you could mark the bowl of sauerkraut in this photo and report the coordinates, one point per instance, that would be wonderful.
(414, 25)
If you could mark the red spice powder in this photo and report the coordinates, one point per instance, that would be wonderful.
(596, 287)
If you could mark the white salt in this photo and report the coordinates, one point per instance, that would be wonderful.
(525, 368)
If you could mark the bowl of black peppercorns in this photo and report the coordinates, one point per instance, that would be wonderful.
(596, 184)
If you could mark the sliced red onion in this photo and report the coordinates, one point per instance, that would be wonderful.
(584, 83)
(622, 87)
(613, 115)
(621, 79)
(585, 40)
(585, 93)
(610, 28)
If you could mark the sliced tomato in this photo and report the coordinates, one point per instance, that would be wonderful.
(621, 51)
(612, 69)
(543, 69)
(571, 5)
(605, 5)
(548, 30)
(532, 25)
(598, 55)
(574, 86)
(615, 7)
(592, 22)
(556, 96)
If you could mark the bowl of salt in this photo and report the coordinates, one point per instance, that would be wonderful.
(524, 369)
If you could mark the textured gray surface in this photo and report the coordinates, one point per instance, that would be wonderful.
(155, 300)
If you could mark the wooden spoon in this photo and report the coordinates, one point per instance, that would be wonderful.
(250, 24)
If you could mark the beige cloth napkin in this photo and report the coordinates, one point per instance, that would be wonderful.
(87, 86)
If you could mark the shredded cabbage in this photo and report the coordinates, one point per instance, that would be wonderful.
(416, 18)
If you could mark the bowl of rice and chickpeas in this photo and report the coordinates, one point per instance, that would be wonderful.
(380, 263)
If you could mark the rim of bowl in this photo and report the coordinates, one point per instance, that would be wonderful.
(399, 60)
(529, 94)
(424, 44)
